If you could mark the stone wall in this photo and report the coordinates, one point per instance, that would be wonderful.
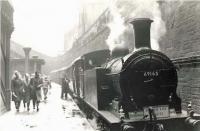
(182, 44)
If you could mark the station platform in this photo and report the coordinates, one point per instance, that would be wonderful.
(55, 114)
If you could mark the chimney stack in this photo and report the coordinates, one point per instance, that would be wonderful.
(27, 51)
(142, 32)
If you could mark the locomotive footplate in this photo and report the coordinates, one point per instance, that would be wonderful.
(171, 123)
(175, 122)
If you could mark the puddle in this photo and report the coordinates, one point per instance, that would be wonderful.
(71, 110)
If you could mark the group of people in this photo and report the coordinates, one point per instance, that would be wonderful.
(29, 88)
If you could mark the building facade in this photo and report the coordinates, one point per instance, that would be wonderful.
(89, 12)
(93, 39)
(6, 28)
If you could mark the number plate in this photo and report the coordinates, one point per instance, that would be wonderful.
(161, 111)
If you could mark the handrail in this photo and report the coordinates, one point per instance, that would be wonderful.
(187, 60)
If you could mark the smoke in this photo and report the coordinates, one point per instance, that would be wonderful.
(122, 10)
(116, 26)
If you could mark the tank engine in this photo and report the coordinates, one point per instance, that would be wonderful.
(131, 91)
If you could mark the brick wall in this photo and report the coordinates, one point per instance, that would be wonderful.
(183, 29)
(182, 44)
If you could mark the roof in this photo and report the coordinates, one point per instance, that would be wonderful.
(18, 52)
(31, 60)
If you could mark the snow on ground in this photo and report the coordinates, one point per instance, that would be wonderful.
(55, 115)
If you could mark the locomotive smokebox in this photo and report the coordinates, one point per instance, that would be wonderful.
(142, 32)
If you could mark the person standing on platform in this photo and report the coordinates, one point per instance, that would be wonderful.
(17, 89)
(46, 87)
(65, 88)
(36, 83)
(27, 88)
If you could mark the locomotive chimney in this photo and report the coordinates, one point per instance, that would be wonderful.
(142, 32)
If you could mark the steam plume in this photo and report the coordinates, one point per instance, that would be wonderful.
(122, 10)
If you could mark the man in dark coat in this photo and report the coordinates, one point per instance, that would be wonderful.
(27, 89)
(65, 87)
(36, 84)
(17, 89)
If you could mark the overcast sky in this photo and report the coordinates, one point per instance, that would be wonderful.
(41, 24)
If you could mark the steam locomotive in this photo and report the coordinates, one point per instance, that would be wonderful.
(135, 91)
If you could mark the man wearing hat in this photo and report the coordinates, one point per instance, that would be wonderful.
(17, 89)
(36, 84)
